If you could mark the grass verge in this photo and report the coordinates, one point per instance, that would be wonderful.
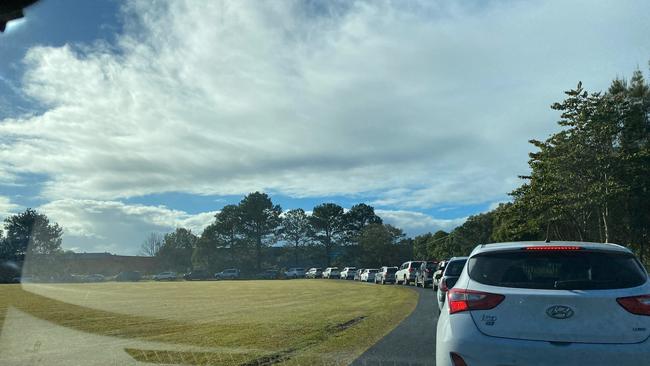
(295, 322)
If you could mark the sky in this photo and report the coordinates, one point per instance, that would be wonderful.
(121, 118)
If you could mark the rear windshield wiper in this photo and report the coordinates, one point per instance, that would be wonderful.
(570, 284)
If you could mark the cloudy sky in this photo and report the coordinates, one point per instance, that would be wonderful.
(122, 118)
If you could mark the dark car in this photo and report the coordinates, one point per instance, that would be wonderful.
(452, 272)
(128, 276)
(269, 274)
(424, 274)
(197, 275)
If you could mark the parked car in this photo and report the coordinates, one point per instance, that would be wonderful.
(269, 274)
(424, 273)
(559, 303)
(165, 276)
(357, 274)
(348, 273)
(449, 277)
(314, 273)
(385, 275)
(368, 274)
(128, 276)
(406, 272)
(295, 273)
(227, 274)
(198, 274)
(437, 275)
(331, 272)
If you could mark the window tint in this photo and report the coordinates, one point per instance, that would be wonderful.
(391, 270)
(455, 268)
(579, 270)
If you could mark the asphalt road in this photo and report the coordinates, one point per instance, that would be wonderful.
(412, 342)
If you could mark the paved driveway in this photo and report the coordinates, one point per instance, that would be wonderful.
(412, 342)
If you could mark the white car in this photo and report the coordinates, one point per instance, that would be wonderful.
(558, 303)
(406, 272)
(348, 273)
(331, 272)
(295, 273)
(368, 275)
(165, 276)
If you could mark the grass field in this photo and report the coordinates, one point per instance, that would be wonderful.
(298, 322)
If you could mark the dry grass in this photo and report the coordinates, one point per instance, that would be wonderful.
(252, 322)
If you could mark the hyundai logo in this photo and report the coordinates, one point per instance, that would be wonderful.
(559, 312)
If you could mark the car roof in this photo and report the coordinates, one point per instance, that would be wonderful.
(493, 247)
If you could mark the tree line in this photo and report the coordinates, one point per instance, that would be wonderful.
(590, 181)
(257, 234)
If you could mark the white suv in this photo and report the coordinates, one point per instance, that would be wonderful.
(348, 273)
(406, 273)
(558, 304)
(331, 272)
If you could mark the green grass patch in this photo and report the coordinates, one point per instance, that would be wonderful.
(248, 322)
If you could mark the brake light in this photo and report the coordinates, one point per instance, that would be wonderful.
(411, 269)
(462, 300)
(639, 305)
(553, 247)
(456, 359)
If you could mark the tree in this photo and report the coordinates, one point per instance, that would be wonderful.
(358, 217)
(30, 232)
(296, 230)
(151, 245)
(177, 249)
(420, 246)
(259, 220)
(328, 227)
(227, 231)
(378, 244)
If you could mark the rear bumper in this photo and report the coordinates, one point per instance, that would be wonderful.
(461, 336)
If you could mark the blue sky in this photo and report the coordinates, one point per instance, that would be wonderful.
(122, 118)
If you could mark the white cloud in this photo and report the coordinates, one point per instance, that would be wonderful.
(416, 223)
(7, 208)
(419, 103)
(113, 226)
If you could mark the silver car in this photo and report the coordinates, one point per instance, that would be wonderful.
(560, 303)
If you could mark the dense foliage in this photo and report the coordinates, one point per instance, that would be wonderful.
(588, 182)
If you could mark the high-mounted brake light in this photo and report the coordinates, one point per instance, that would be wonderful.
(553, 247)
(463, 300)
(639, 305)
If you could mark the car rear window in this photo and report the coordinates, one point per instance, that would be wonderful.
(566, 270)
(391, 270)
(455, 268)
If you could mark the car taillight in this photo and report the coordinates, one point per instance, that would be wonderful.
(463, 300)
(456, 359)
(639, 305)
(411, 269)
